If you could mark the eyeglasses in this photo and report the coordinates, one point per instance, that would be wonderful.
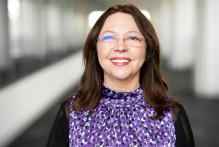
(110, 40)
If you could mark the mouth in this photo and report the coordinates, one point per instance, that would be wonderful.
(120, 61)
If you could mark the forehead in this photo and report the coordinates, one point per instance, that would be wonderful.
(120, 23)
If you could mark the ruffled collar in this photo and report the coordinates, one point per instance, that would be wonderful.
(116, 98)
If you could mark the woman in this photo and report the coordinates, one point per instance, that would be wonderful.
(121, 100)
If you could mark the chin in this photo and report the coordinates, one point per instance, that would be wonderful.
(122, 76)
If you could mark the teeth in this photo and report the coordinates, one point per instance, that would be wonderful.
(120, 61)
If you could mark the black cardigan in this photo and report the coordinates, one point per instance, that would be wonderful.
(59, 135)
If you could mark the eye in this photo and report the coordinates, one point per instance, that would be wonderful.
(108, 37)
(133, 38)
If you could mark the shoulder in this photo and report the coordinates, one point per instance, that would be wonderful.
(64, 108)
(183, 130)
(67, 102)
(177, 108)
(66, 105)
(178, 112)
(59, 132)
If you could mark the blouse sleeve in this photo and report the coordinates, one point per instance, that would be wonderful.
(58, 136)
(184, 135)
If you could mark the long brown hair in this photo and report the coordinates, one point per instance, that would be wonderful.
(154, 87)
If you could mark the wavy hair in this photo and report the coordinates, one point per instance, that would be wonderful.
(151, 78)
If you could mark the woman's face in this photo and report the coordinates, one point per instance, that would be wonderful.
(122, 59)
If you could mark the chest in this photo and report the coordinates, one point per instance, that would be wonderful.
(121, 126)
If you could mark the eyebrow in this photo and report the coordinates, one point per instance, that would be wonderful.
(108, 31)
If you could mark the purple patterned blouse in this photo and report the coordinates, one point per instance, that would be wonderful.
(121, 119)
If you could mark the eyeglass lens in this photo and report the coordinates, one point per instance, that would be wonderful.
(131, 39)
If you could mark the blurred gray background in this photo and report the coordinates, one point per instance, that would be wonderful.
(40, 61)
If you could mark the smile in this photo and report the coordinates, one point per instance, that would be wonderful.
(120, 61)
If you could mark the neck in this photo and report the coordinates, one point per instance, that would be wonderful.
(122, 86)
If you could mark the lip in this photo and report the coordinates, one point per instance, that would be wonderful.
(120, 61)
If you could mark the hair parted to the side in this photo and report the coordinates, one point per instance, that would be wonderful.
(155, 88)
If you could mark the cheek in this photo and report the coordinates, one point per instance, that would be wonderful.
(141, 60)
(99, 54)
(142, 55)
(102, 55)
(144, 52)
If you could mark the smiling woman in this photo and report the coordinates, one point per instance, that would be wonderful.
(121, 58)
(122, 98)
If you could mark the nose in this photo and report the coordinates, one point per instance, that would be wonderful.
(121, 45)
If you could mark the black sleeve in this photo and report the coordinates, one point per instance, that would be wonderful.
(59, 133)
(184, 135)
